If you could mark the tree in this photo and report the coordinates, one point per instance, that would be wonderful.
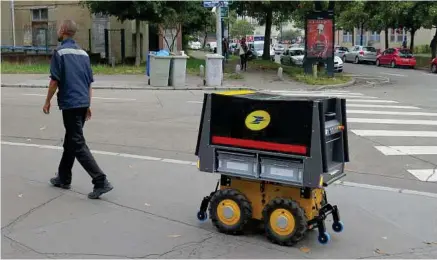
(242, 28)
(267, 13)
(290, 34)
(128, 10)
(175, 15)
(355, 16)
(431, 22)
(202, 20)
(382, 17)
(412, 16)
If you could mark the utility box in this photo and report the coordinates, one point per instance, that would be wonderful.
(178, 71)
(214, 70)
(159, 70)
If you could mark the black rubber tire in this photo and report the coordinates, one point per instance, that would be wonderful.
(245, 209)
(434, 68)
(357, 60)
(299, 218)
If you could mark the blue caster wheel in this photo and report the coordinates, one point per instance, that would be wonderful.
(202, 216)
(338, 226)
(324, 238)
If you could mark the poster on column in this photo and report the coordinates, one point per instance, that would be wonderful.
(319, 40)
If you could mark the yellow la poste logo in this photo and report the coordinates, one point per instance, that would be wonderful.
(257, 120)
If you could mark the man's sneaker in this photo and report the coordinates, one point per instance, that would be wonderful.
(97, 192)
(56, 181)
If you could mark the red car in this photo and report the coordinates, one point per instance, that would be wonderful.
(434, 65)
(396, 57)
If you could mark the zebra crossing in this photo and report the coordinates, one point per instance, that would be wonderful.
(373, 117)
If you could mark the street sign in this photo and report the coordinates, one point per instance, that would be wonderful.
(224, 12)
(215, 3)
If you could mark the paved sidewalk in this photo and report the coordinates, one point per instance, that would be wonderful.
(151, 214)
(265, 80)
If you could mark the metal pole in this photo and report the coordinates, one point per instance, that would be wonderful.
(13, 21)
(218, 30)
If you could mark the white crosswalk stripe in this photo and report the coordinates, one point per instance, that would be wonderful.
(389, 122)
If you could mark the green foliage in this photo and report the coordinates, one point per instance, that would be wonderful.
(422, 49)
(127, 10)
(267, 13)
(290, 34)
(241, 28)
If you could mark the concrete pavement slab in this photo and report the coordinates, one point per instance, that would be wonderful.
(152, 211)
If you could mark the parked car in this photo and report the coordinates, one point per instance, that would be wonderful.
(434, 65)
(341, 52)
(279, 49)
(257, 47)
(360, 54)
(396, 57)
(195, 45)
(210, 46)
(293, 56)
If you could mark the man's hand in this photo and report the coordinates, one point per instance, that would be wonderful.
(88, 114)
(46, 108)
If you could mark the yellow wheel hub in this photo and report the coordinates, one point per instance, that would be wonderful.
(228, 212)
(282, 222)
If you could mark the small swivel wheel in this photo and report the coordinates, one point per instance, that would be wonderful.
(338, 226)
(202, 216)
(324, 238)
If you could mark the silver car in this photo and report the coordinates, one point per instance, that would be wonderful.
(341, 51)
(360, 54)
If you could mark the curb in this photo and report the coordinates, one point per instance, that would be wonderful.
(139, 88)
(343, 85)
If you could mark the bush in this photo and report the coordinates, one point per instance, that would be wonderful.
(422, 49)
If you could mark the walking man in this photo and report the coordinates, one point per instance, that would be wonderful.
(71, 75)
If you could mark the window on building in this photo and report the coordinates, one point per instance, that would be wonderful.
(347, 36)
(396, 36)
(41, 14)
(375, 37)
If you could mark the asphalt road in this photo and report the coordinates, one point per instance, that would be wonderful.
(145, 140)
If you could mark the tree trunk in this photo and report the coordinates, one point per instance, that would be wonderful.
(412, 33)
(361, 34)
(138, 42)
(433, 45)
(267, 34)
(386, 37)
(353, 37)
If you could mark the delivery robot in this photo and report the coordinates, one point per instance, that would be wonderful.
(275, 156)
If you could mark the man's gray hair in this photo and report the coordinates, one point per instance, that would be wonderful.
(69, 27)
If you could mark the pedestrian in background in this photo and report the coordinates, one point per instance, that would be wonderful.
(71, 75)
(242, 49)
(225, 48)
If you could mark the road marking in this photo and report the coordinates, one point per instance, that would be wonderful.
(395, 133)
(149, 158)
(381, 106)
(104, 98)
(376, 112)
(371, 101)
(383, 188)
(315, 92)
(407, 150)
(195, 102)
(427, 175)
(391, 121)
(393, 74)
(323, 95)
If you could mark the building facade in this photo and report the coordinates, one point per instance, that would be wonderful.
(35, 23)
(348, 39)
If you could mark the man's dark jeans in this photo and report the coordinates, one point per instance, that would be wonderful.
(75, 148)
